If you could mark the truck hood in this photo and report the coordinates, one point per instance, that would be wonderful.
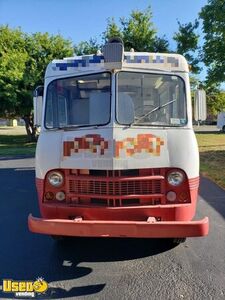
(118, 149)
(115, 148)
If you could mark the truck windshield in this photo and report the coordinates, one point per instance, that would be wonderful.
(151, 99)
(78, 101)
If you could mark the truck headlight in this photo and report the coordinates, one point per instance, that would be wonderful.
(55, 178)
(175, 178)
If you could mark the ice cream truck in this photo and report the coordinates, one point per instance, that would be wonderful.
(117, 155)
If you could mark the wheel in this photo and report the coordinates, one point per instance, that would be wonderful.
(223, 129)
(58, 238)
(177, 241)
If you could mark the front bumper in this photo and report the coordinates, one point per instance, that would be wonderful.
(135, 229)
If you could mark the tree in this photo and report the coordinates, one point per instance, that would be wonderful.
(112, 30)
(23, 60)
(87, 47)
(13, 58)
(215, 100)
(42, 48)
(161, 44)
(213, 19)
(137, 32)
(187, 44)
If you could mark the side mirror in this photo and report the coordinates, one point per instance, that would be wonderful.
(200, 108)
(38, 102)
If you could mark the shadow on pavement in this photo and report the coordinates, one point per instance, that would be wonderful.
(213, 195)
(27, 256)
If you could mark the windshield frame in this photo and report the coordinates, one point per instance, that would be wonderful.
(151, 124)
(74, 126)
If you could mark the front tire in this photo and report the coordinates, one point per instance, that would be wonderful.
(177, 241)
(58, 238)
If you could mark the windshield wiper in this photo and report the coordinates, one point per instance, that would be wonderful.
(153, 110)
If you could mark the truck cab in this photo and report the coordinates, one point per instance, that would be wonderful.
(117, 155)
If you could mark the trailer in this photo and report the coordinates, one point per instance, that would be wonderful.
(117, 155)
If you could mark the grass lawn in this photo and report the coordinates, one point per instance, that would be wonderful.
(14, 142)
(212, 156)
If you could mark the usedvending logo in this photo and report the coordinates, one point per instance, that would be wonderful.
(25, 288)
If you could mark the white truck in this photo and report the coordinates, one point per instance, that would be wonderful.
(117, 155)
(221, 121)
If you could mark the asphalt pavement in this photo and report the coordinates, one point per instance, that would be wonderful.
(108, 268)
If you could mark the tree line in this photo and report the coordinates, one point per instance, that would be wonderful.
(24, 57)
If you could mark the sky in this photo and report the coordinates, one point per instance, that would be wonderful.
(80, 20)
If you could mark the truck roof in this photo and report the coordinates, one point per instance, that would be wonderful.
(142, 60)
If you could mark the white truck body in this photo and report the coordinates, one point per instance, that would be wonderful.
(221, 121)
(117, 154)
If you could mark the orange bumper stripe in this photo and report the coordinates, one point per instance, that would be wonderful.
(135, 229)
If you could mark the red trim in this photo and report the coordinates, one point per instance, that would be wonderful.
(194, 183)
(114, 209)
(40, 187)
(171, 220)
(112, 188)
(144, 229)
